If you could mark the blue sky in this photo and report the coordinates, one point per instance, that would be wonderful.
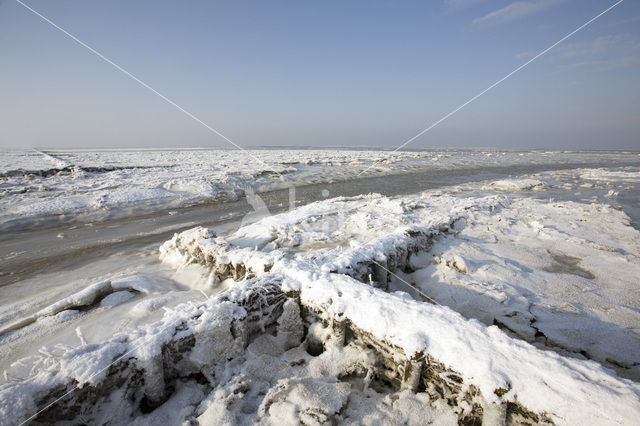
(325, 73)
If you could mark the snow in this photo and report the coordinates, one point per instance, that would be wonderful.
(565, 294)
(541, 380)
(516, 185)
(611, 176)
(439, 307)
(500, 362)
(98, 184)
(106, 293)
(116, 298)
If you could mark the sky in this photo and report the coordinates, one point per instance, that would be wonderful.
(322, 73)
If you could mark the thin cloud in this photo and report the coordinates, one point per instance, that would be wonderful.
(605, 52)
(526, 55)
(598, 46)
(514, 11)
(602, 65)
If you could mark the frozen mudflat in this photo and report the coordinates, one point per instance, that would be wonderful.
(500, 301)
(43, 188)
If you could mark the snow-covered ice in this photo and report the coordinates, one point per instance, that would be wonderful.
(92, 185)
(510, 300)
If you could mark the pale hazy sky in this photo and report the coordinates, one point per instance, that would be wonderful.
(320, 73)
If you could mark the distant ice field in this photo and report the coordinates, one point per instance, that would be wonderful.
(38, 187)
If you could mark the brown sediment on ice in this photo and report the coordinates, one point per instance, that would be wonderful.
(148, 378)
(148, 382)
(302, 300)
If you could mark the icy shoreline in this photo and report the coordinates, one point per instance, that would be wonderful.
(315, 298)
(507, 300)
(61, 186)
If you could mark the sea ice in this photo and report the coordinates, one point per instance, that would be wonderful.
(504, 301)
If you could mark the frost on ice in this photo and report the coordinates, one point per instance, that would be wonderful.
(61, 186)
(368, 310)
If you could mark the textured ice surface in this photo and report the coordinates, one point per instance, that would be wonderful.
(91, 185)
(514, 263)
(547, 272)
(489, 258)
(516, 185)
(536, 314)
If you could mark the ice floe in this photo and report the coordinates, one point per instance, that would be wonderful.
(93, 185)
(326, 321)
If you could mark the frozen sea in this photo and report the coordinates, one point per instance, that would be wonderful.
(320, 285)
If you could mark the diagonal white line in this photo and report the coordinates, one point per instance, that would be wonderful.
(422, 132)
(406, 283)
(142, 83)
(136, 347)
(189, 114)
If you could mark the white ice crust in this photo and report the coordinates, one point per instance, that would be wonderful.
(530, 300)
(508, 235)
(92, 185)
